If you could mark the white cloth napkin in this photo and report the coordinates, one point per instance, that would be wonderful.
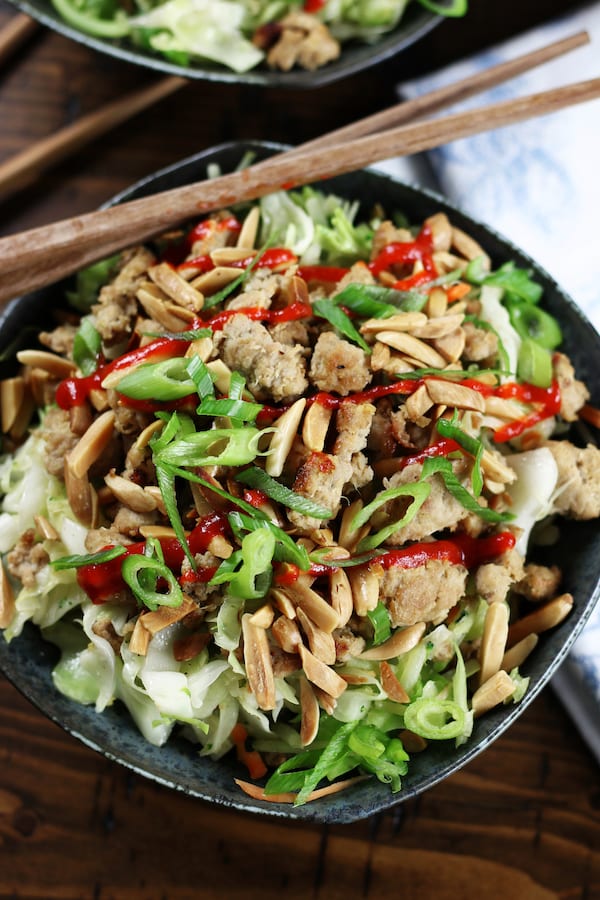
(538, 183)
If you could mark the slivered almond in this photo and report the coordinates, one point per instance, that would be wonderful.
(92, 444)
(391, 684)
(454, 395)
(157, 531)
(225, 256)
(320, 674)
(412, 743)
(413, 347)
(404, 321)
(441, 230)
(263, 617)
(341, 596)
(140, 638)
(365, 590)
(541, 619)
(187, 316)
(286, 429)
(210, 282)
(447, 262)
(403, 640)
(438, 327)
(176, 287)
(287, 634)
(517, 654)
(24, 414)
(202, 348)
(325, 700)
(80, 418)
(7, 598)
(349, 537)
(130, 494)
(503, 409)
(45, 528)
(54, 365)
(38, 381)
(155, 492)
(249, 229)
(98, 399)
(437, 303)
(309, 712)
(154, 302)
(82, 497)
(494, 468)
(315, 607)
(111, 381)
(149, 431)
(495, 690)
(283, 603)
(451, 346)
(12, 395)
(493, 640)
(321, 643)
(219, 546)
(221, 375)
(257, 659)
(469, 248)
(315, 427)
(164, 616)
(332, 553)
(418, 403)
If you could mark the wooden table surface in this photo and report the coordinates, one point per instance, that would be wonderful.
(521, 822)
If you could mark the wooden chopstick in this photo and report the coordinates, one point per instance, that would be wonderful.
(25, 167)
(13, 35)
(41, 256)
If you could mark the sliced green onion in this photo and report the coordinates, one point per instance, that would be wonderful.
(435, 719)
(367, 300)
(469, 444)
(419, 492)
(76, 561)
(367, 742)
(328, 310)
(453, 8)
(253, 579)
(530, 321)
(143, 575)
(194, 334)
(380, 620)
(286, 550)
(534, 364)
(165, 478)
(459, 492)
(217, 447)
(241, 410)
(258, 479)
(117, 27)
(87, 345)
(200, 375)
(163, 381)
(221, 295)
(334, 749)
(320, 556)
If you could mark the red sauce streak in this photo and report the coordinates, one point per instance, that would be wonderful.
(327, 274)
(461, 550)
(205, 228)
(403, 252)
(441, 448)
(548, 398)
(286, 574)
(75, 391)
(255, 497)
(313, 6)
(272, 316)
(200, 265)
(270, 259)
(403, 386)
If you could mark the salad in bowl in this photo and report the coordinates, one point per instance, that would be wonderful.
(277, 484)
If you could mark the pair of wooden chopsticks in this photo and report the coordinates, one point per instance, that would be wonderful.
(14, 34)
(43, 255)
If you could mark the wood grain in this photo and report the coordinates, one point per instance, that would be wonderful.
(520, 822)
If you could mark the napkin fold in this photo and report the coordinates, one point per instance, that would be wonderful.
(538, 183)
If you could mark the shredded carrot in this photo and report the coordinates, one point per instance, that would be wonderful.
(590, 414)
(457, 291)
(258, 793)
(250, 758)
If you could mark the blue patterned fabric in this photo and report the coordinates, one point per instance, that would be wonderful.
(538, 183)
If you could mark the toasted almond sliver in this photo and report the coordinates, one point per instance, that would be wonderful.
(7, 598)
(82, 497)
(283, 603)
(154, 302)
(257, 659)
(140, 638)
(341, 595)
(164, 616)
(541, 619)
(12, 395)
(219, 546)
(493, 641)
(321, 643)
(45, 528)
(309, 707)
(176, 287)
(54, 365)
(287, 634)
(365, 590)
(213, 281)
(202, 348)
(315, 607)
(437, 303)
(503, 409)
(286, 428)
(441, 230)
(23, 417)
(412, 743)
(226, 256)
(495, 469)
(130, 494)
(418, 403)
(263, 617)
(404, 321)
(517, 654)
(455, 395)
(92, 444)
(495, 690)
(349, 537)
(403, 640)
(221, 375)
(321, 675)
(315, 427)
(469, 248)
(249, 229)
(451, 346)
(439, 326)
(391, 685)
(413, 347)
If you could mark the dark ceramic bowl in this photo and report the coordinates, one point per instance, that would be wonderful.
(355, 56)
(27, 660)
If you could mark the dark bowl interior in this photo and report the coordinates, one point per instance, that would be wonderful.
(355, 56)
(27, 660)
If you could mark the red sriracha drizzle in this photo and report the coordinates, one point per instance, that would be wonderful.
(404, 252)
(102, 581)
(272, 316)
(460, 550)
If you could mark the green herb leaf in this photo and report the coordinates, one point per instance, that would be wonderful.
(380, 620)
(76, 561)
(87, 345)
(328, 310)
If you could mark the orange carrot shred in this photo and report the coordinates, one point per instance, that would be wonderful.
(457, 291)
(250, 758)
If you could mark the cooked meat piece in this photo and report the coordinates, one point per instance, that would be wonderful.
(100, 538)
(290, 333)
(577, 493)
(338, 366)
(381, 441)
(353, 423)
(128, 421)
(405, 432)
(58, 439)
(273, 370)
(26, 559)
(573, 393)
(494, 580)
(347, 644)
(258, 291)
(114, 314)
(208, 597)
(321, 478)
(304, 40)
(60, 340)
(129, 522)
(358, 274)
(439, 512)
(387, 233)
(284, 663)
(539, 582)
(480, 343)
(214, 234)
(423, 594)
(362, 473)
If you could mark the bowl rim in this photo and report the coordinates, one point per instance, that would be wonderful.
(358, 803)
